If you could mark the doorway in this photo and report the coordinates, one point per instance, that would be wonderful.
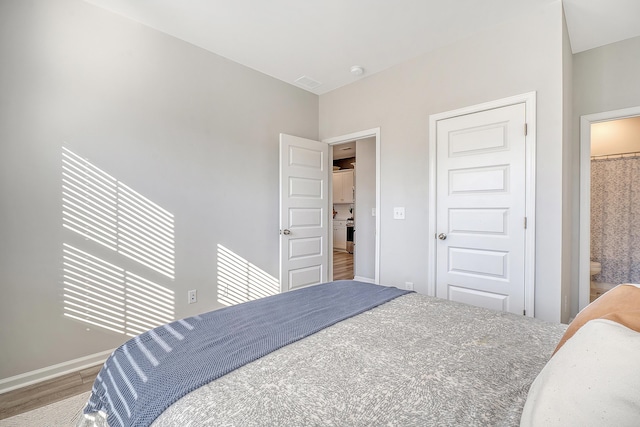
(343, 207)
(609, 157)
(355, 255)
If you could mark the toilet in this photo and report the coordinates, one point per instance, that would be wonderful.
(596, 268)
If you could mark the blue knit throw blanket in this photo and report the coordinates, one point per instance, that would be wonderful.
(147, 374)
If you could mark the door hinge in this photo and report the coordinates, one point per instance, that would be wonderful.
(525, 222)
(525, 129)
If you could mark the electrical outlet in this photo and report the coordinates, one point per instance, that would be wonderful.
(398, 213)
(192, 296)
(408, 286)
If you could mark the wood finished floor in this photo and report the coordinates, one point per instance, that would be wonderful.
(37, 395)
(342, 265)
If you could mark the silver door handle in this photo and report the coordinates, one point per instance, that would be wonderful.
(442, 236)
(286, 232)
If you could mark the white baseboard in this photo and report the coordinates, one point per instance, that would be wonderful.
(43, 374)
(364, 279)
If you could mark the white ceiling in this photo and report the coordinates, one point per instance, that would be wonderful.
(322, 40)
(595, 23)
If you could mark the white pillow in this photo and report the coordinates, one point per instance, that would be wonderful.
(593, 380)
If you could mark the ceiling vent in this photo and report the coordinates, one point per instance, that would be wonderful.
(308, 82)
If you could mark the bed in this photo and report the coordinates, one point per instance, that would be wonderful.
(343, 353)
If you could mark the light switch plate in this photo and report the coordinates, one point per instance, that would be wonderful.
(398, 213)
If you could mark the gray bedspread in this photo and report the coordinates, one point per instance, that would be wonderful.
(148, 373)
(414, 361)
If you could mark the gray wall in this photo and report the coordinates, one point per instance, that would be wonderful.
(365, 251)
(517, 57)
(606, 78)
(193, 132)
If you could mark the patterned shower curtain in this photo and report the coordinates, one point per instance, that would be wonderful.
(615, 219)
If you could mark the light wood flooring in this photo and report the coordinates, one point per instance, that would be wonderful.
(342, 265)
(37, 395)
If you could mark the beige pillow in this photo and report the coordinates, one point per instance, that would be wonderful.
(593, 380)
(621, 304)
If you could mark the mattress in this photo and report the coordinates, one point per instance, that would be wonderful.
(415, 360)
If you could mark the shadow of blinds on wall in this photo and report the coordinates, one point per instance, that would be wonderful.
(241, 281)
(102, 209)
(89, 201)
(106, 212)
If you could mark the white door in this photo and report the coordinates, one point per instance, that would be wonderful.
(304, 220)
(480, 218)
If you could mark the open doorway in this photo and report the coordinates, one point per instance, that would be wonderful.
(615, 204)
(609, 202)
(344, 204)
(355, 203)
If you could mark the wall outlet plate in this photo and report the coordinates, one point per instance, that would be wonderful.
(398, 213)
(192, 296)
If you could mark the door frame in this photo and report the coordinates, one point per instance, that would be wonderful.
(584, 267)
(529, 99)
(375, 132)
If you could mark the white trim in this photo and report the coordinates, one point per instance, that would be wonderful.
(364, 279)
(53, 371)
(375, 132)
(529, 99)
(584, 278)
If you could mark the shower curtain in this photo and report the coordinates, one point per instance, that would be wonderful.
(615, 219)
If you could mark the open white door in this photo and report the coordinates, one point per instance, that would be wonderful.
(304, 227)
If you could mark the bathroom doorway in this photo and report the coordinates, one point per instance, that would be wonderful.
(609, 202)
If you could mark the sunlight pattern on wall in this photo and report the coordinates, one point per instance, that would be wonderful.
(103, 209)
(102, 294)
(93, 290)
(240, 281)
(107, 212)
(89, 201)
(145, 231)
(147, 304)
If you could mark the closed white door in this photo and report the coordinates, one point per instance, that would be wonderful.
(304, 220)
(481, 208)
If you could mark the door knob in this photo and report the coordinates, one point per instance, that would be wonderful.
(442, 236)
(286, 232)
